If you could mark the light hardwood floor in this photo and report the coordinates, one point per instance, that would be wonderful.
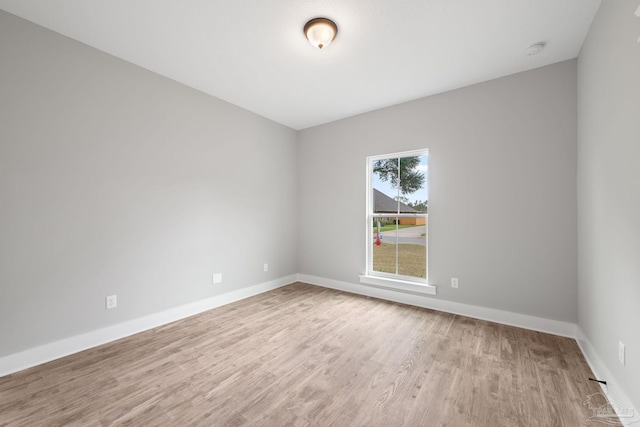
(303, 355)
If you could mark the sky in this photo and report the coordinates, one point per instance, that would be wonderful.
(422, 194)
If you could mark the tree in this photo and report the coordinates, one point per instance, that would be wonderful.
(420, 205)
(405, 175)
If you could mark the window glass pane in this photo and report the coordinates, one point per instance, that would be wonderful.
(386, 190)
(384, 245)
(413, 183)
(412, 241)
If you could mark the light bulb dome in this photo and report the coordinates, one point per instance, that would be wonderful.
(320, 32)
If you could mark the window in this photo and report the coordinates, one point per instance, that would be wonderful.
(397, 221)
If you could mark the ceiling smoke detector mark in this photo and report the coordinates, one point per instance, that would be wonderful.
(535, 49)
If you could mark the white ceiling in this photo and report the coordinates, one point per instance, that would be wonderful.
(254, 54)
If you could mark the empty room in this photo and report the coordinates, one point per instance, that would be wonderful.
(320, 213)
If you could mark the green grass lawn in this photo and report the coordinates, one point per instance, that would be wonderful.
(412, 259)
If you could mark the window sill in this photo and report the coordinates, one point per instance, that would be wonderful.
(400, 285)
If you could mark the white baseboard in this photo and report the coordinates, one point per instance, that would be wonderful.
(554, 327)
(55, 350)
(611, 390)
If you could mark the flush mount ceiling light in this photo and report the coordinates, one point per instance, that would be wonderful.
(535, 49)
(320, 32)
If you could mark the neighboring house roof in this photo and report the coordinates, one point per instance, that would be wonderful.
(385, 204)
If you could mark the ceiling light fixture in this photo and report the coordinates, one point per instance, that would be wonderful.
(535, 49)
(320, 32)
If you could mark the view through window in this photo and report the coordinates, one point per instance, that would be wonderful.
(398, 202)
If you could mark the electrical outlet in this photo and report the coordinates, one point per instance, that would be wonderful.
(454, 282)
(217, 278)
(621, 352)
(111, 302)
(266, 267)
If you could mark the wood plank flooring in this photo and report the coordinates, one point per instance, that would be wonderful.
(307, 356)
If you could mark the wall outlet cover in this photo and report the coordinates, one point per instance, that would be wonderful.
(111, 302)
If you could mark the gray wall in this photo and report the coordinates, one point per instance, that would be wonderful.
(502, 208)
(114, 180)
(609, 192)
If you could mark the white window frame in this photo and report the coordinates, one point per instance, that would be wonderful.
(387, 280)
